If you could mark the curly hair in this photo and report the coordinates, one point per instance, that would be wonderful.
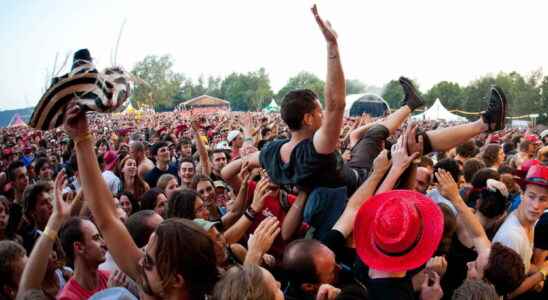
(505, 269)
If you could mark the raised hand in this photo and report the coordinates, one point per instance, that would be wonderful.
(400, 157)
(263, 237)
(195, 122)
(381, 163)
(437, 264)
(414, 144)
(447, 185)
(75, 122)
(328, 32)
(262, 190)
(327, 292)
(431, 291)
(61, 209)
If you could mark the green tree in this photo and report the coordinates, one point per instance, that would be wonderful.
(354, 86)
(158, 84)
(393, 94)
(247, 92)
(304, 80)
(543, 102)
(449, 93)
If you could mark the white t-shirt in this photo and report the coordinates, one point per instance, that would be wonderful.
(113, 182)
(436, 196)
(512, 235)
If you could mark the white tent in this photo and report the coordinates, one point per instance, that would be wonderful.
(272, 107)
(438, 112)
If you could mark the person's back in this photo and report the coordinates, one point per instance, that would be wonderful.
(305, 168)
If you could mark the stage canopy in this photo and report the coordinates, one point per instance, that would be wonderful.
(204, 102)
(357, 104)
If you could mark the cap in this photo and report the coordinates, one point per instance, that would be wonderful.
(206, 225)
(232, 135)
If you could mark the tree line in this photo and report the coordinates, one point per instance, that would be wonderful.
(163, 89)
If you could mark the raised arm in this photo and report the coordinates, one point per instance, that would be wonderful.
(294, 217)
(366, 190)
(237, 209)
(232, 169)
(98, 196)
(449, 189)
(400, 161)
(238, 230)
(200, 147)
(335, 92)
(35, 268)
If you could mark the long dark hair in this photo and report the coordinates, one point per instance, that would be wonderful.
(197, 266)
(181, 204)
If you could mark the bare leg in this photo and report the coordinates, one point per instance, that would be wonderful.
(395, 119)
(444, 139)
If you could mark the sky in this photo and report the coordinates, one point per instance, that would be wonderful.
(426, 40)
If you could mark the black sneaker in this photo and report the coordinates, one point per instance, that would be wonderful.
(412, 98)
(495, 115)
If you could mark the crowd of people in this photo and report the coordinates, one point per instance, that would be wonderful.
(301, 204)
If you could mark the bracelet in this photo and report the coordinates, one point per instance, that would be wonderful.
(86, 137)
(247, 139)
(250, 214)
(50, 234)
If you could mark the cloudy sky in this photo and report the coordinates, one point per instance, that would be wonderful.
(427, 40)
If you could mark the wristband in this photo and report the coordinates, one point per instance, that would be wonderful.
(247, 139)
(86, 137)
(50, 234)
(250, 214)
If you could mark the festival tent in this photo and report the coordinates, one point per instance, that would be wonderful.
(357, 104)
(438, 112)
(272, 107)
(16, 121)
(204, 102)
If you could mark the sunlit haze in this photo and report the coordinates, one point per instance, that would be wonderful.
(429, 41)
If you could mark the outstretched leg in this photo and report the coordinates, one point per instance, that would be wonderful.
(491, 120)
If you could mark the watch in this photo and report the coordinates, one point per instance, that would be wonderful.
(250, 214)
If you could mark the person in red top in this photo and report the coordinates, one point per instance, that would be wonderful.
(277, 205)
(85, 248)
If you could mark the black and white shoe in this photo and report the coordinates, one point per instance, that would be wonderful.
(412, 98)
(495, 115)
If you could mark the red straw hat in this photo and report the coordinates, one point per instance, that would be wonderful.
(398, 230)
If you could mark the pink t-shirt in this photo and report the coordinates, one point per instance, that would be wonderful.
(73, 290)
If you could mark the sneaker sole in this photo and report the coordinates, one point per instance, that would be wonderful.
(502, 98)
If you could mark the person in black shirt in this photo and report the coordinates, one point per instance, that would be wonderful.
(160, 151)
(310, 263)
